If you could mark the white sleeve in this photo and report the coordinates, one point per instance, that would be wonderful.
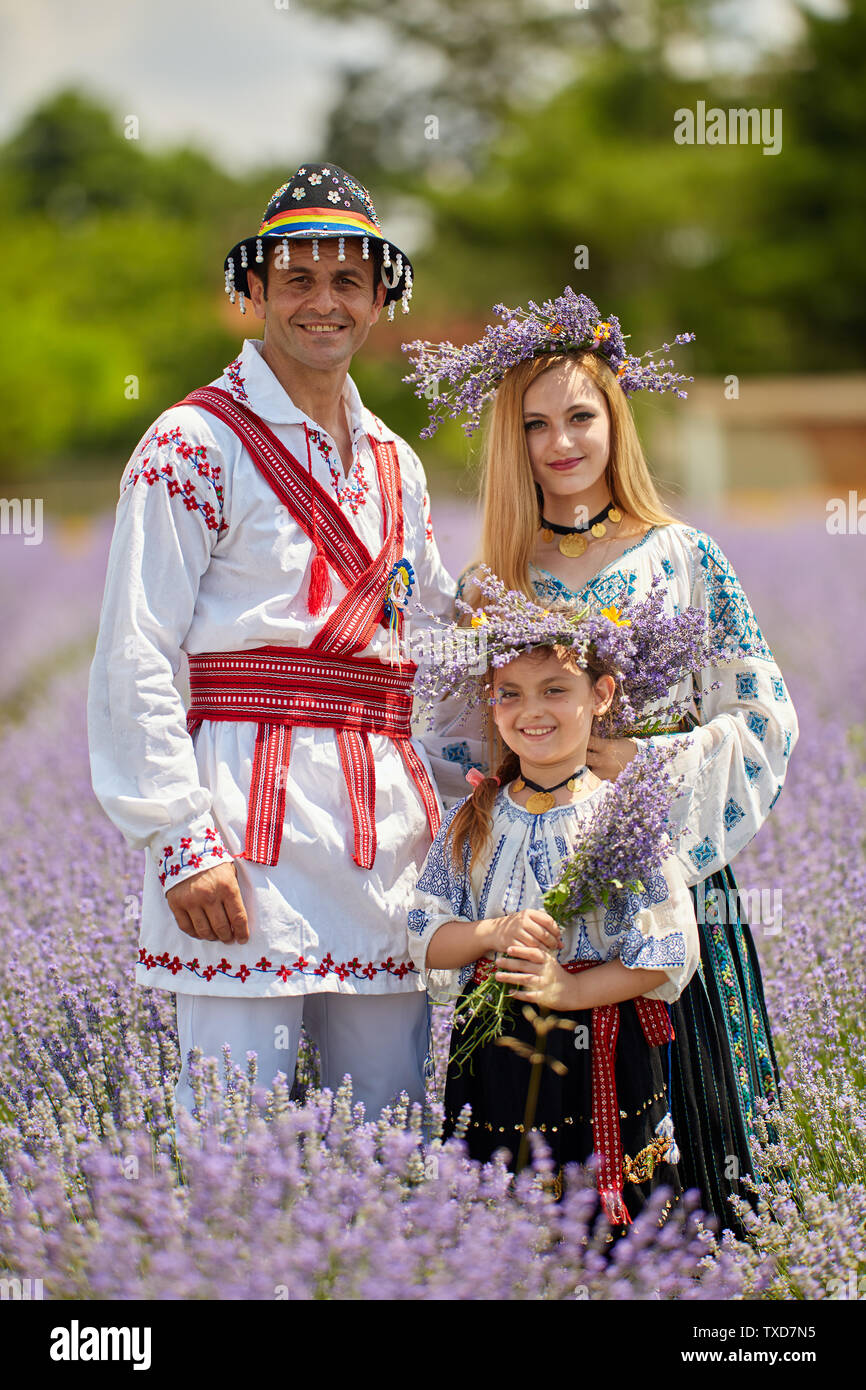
(734, 763)
(434, 585)
(660, 929)
(443, 894)
(454, 743)
(143, 767)
(454, 737)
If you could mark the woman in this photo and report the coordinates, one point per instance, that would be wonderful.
(571, 511)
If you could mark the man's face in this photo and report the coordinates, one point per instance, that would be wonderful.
(318, 312)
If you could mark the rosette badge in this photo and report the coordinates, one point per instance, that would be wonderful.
(458, 381)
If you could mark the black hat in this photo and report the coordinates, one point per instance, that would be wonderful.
(320, 200)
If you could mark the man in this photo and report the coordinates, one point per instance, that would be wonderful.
(264, 525)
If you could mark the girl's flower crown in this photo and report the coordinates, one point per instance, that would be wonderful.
(567, 324)
(646, 650)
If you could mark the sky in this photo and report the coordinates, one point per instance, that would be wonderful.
(248, 81)
(231, 76)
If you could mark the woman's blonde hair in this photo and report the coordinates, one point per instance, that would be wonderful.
(510, 495)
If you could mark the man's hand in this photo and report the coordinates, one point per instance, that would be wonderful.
(209, 907)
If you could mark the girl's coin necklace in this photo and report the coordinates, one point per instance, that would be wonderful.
(543, 798)
(574, 538)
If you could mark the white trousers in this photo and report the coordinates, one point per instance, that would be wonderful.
(380, 1040)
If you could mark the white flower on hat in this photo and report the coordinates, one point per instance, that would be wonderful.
(314, 178)
(299, 193)
(302, 171)
(326, 171)
(333, 196)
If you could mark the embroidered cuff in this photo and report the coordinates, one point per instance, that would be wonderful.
(185, 855)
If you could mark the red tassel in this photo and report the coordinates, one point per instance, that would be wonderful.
(319, 592)
(319, 595)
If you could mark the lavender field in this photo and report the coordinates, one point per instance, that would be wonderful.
(273, 1200)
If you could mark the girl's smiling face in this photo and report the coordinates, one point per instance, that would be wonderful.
(544, 711)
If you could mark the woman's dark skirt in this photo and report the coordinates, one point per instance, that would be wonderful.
(722, 1057)
(496, 1089)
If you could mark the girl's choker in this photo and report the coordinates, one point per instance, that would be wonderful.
(543, 798)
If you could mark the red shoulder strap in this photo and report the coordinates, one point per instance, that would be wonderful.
(344, 550)
(356, 617)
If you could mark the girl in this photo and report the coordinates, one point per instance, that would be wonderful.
(479, 907)
(571, 513)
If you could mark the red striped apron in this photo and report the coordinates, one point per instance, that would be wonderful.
(324, 684)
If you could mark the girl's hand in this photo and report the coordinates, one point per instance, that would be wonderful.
(607, 757)
(532, 927)
(539, 977)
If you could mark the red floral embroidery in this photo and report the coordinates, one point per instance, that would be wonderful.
(352, 490)
(196, 453)
(428, 520)
(210, 847)
(344, 970)
(236, 381)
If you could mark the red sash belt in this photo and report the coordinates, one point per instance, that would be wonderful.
(280, 688)
(606, 1133)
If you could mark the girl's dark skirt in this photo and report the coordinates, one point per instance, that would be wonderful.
(496, 1089)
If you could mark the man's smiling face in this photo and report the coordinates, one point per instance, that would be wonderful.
(318, 312)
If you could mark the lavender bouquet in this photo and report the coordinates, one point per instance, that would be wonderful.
(625, 839)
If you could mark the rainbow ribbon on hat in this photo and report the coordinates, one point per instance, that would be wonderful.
(311, 220)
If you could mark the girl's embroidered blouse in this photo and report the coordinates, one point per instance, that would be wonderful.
(526, 854)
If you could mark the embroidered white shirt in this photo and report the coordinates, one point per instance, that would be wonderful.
(205, 558)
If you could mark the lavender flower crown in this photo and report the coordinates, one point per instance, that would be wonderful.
(646, 650)
(567, 324)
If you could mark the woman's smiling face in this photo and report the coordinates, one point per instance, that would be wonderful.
(567, 426)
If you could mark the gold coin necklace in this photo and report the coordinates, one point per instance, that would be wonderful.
(573, 540)
(543, 798)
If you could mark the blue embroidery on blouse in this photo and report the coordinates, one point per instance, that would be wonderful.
(731, 616)
(418, 920)
(653, 952)
(747, 685)
(752, 769)
(667, 567)
(584, 949)
(775, 798)
(439, 876)
(703, 853)
(488, 879)
(625, 904)
(459, 753)
(778, 688)
(758, 724)
(786, 750)
(732, 813)
(561, 846)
